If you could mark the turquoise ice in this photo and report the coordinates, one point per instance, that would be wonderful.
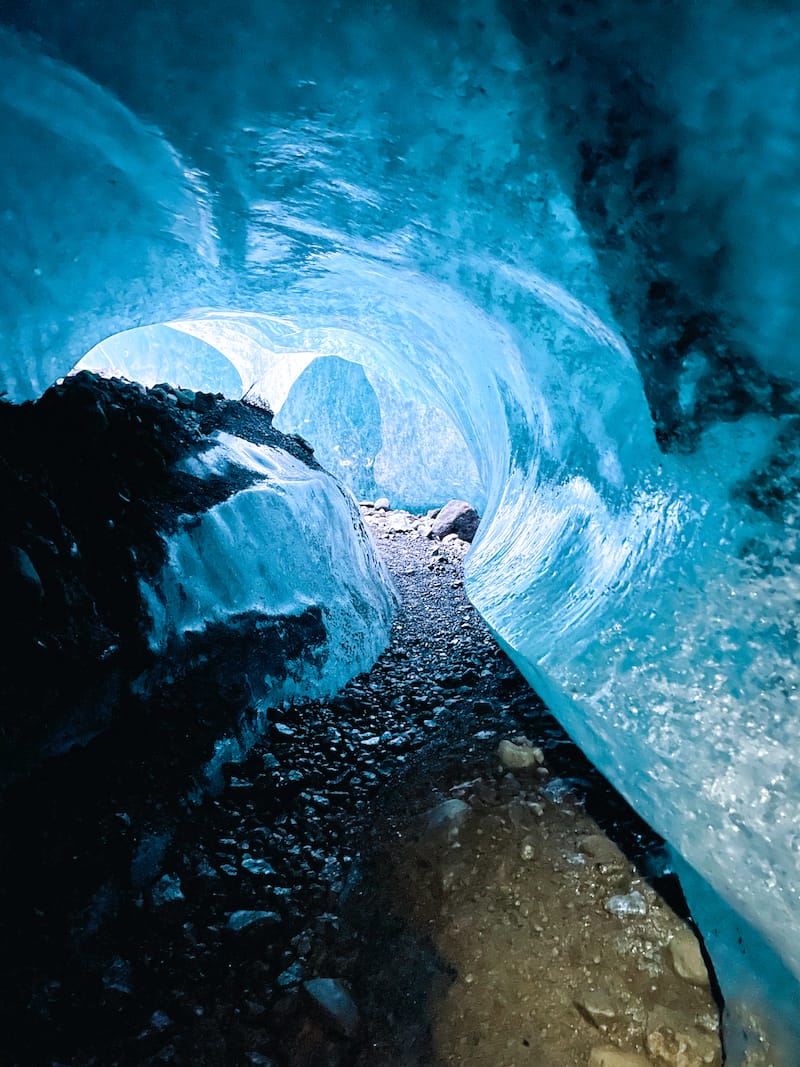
(552, 259)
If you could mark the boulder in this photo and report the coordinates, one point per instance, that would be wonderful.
(456, 517)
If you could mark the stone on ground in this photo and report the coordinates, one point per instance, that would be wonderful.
(335, 1002)
(456, 517)
(687, 959)
(609, 1056)
(516, 757)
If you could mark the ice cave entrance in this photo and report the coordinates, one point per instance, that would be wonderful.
(378, 432)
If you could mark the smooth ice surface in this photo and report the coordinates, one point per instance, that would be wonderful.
(293, 540)
(561, 242)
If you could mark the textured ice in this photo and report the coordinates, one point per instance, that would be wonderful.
(293, 540)
(561, 243)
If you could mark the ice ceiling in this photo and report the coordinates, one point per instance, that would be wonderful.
(542, 255)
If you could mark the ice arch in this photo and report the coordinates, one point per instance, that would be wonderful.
(317, 371)
(151, 354)
(574, 230)
(367, 321)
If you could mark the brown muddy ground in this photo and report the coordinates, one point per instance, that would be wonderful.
(560, 951)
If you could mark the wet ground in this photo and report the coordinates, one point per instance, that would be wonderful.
(414, 873)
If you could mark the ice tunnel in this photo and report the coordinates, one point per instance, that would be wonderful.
(544, 256)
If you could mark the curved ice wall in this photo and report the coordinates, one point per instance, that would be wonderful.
(563, 241)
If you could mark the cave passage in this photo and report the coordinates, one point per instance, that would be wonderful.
(543, 259)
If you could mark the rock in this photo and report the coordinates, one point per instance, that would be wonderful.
(119, 976)
(456, 517)
(383, 504)
(519, 757)
(601, 850)
(167, 890)
(203, 402)
(598, 1007)
(483, 793)
(291, 977)
(447, 818)
(627, 904)
(509, 787)
(336, 1003)
(246, 919)
(524, 814)
(282, 729)
(687, 959)
(610, 1056)
(25, 580)
(527, 851)
(254, 865)
(673, 1042)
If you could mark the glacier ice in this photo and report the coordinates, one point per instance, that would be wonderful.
(291, 541)
(560, 241)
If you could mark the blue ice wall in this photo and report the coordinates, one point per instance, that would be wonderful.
(566, 236)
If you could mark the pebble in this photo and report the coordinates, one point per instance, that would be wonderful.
(516, 757)
(687, 959)
(247, 919)
(336, 1003)
(610, 1056)
(257, 866)
(598, 1006)
(526, 850)
(601, 850)
(524, 814)
(627, 904)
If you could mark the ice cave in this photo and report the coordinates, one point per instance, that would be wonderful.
(544, 258)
